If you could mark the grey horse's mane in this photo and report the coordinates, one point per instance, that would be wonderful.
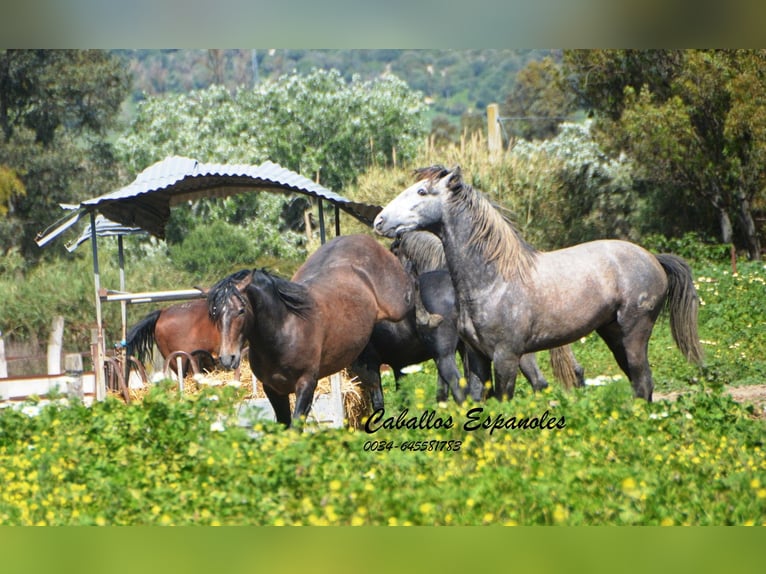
(493, 235)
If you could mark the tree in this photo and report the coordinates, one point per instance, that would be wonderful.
(539, 101)
(56, 108)
(694, 120)
(316, 124)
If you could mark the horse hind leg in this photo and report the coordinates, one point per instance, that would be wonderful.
(368, 371)
(631, 352)
(478, 369)
(449, 379)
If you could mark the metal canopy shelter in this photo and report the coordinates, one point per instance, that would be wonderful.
(145, 205)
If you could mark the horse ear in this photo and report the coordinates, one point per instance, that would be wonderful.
(245, 280)
(454, 179)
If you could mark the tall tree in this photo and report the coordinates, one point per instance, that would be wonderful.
(56, 107)
(695, 120)
(539, 101)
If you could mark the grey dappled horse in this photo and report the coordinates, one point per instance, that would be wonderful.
(514, 299)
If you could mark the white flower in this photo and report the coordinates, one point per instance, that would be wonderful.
(31, 410)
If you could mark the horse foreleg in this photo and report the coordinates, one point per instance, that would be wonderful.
(304, 398)
(506, 369)
(531, 370)
(280, 403)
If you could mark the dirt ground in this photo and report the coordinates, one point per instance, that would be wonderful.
(750, 394)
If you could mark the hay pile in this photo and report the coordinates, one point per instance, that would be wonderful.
(355, 400)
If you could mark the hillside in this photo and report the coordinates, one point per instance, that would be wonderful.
(456, 81)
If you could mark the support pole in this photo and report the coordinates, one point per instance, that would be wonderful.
(322, 237)
(98, 346)
(494, 137)
(123, 304)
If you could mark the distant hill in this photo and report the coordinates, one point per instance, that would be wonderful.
(456, 81)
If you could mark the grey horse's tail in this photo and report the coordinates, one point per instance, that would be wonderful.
(683, 306)
(565, 367)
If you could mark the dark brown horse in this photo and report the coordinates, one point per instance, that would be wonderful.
(182, 327)
(514, 299)
(317, 324)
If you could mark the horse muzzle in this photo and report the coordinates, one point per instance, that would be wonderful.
(230, 361)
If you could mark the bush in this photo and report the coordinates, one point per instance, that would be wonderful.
(176, 459)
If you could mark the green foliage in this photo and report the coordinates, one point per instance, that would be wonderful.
(538, 101)
(182, 460)
(316, 124)
(10, 186)
(457, 82)
(694, 121)
(56, 108)
(211, 251)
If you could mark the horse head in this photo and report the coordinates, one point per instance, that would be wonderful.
(420, 206)
(232, 313)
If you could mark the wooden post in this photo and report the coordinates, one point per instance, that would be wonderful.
(54, 346)
(73, 366)
(97, 338)
(336, 400)
(3, 362)
(494, 137)
(180, 373)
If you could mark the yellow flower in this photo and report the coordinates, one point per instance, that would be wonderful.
(560, 514)
(629, 486)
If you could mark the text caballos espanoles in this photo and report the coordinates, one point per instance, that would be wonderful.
(475, 419)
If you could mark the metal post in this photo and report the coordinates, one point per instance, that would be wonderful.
(321, 222)
(98, 348)
(123, 304)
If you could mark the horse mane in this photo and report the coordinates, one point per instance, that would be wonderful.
(493, 235)
(219, 293)
(295, 296)
(424, 249)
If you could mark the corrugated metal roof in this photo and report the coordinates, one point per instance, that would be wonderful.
(104, 228)
(146, 202)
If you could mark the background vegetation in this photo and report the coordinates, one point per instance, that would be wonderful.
(669, 156)
(660, 147)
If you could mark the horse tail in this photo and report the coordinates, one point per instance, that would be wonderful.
(565, 367)
(140, 338)
(683, 306)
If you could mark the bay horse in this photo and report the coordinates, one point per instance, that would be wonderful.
(181, 327)
(430, 332)
(313, 325)
(514, 299)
